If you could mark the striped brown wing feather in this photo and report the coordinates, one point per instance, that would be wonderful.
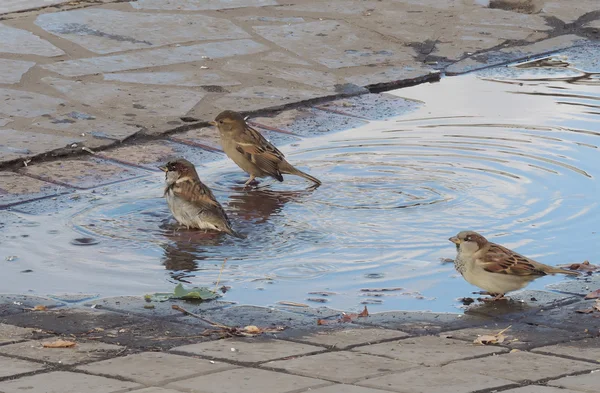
(501, 260)
(260, 152)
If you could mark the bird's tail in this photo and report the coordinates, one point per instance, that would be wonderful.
(557, 270)
(290, 170)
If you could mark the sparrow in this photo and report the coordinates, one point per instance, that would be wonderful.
(251, 151)
(495, 268)
(192, 203)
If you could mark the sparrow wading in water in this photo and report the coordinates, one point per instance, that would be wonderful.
(251, 151)
(192, 203)
(495, 268)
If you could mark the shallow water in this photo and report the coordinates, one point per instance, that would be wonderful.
(509, 152)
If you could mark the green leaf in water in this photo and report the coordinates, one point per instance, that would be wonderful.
(196, 293)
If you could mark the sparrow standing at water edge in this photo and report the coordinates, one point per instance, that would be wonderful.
(251, 151)
(191, 201)
(495, 268)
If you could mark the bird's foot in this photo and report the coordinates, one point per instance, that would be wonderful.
(252, 182)
(495, 297)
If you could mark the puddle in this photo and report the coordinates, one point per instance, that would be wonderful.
(511, 152)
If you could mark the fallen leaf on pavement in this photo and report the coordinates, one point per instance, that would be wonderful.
(364, 313)
(58, 344)
(39, 307)
(585, 311)
(292, 304)
(597, 305)
(252, 329)
(585, 266)
(593, 295)
(489, 339)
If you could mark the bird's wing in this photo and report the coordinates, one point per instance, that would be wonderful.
(260, 151)
(501, 260)
(196, 193)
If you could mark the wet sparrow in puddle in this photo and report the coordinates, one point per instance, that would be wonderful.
(495, 268)
(192, 203)
(251, 151)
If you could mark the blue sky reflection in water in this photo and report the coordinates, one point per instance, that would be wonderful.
(509, 152)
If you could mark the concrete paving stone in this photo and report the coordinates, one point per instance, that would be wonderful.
(15, 188)
(153, 154)
(343, 366)
(11, 71)
(305, 76)
(307, 122)
(434, 380)
(21, 103)
(154, 368)
(82, 173)
(71, 321)
(520, 335)
(571, 13)
(247, 380)
(106, 31)
(206, 137)
(249, 350)
(335, 44)
(581, 286)
(261, 97)
(24, 5)
(504, 19)
(85, 126)
(74, 298)
(4, 122)
(156, 390)
(384, 75)
(191, 78)
(371, 106)
(595, 24)
(565, 318)
(271, 19)
(66, 382)
(280, 57)
(10, 367)
(141, 100)
(25, 43)
(342, 339)
(17, 144)
(345, 389)
(197, 5)
(539, 389)
(587, 349)
(156, 57)
(428, 350)
(520, 366)
(10, 334)
(18, 304)
(421, 322)
(82, 352)
(337, 7)
(581, 383)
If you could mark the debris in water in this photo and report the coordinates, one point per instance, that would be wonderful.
(497, 338)
(84, 241)
(12, 258)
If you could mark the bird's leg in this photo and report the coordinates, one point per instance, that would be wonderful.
(252, 177)
(483, 293)
(495, 297)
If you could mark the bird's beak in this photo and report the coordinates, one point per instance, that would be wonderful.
(163, 168)
(455, 240)
(213, 123)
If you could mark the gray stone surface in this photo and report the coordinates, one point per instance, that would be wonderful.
(429, 350)
(588, 349)
(569, 14)
(196, 77)
(66, 382)
(23, 42)
(345, 389)
(342, 339)
(10, 334)
(371, 106)
(421, 322)
(19, 144)
(333, 43)
(344, 367)
(434, 380)
(539, 389)
(85, 126)
(80, 353)
(15, 188)
(248, 350)
(247, 380)
(154, 368)
(156, 57)
(23, 5)
(19, 304)
(194, 5)
(10, 367)
(379, 75)
(157, 390)
(258, 97)
(26, 104)
(520, 366)
(582, 383)
(582, 286)
(107, 31)
(11, 71)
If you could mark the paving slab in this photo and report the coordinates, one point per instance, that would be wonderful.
(16, 188)
(429, 350)
(11, 334)
(10, 367)
(205, 137)
(19, 103)
(520, 366)
(19, 304)
(24, 5)
(581, 383)
(539, 389)
(189, 78)
(18, 144)
(435, 380)
(106, 31)
(587, 349)
(82, 352)
(582, 286)
(247, 380)
(571, 13)
(261, 97)
(197, 5)
(156, 57)
(416, 322)
(565, 317)
(343, 366)
(86, 127)
(248, 350)
(66, 382)
(11, 71)
(520, 335)
(342, 339)
(393, 76)
(82, 173)
(345, 389)
(156, 390)
(371, 106)
(23, 42)
(154, 368)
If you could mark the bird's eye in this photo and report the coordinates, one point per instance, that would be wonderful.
(468, 238)
(221, 121)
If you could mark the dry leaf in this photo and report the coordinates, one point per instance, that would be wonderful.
(252, 329)
(321, 322)
(586, 266)
(293, 304)
(58, 344)
(364, 313)
(39, 307)
(497, 338)
(593, 295)
(514, 350)
(597, 305)
(586, 311)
